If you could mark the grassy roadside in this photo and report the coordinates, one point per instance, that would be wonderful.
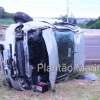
(68, 90)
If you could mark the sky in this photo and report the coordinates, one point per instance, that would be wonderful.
(54, 8)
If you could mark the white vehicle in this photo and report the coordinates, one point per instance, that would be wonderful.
(39, 49)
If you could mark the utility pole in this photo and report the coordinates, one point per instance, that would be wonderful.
(67, 9)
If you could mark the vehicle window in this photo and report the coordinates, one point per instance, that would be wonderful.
(65, 44)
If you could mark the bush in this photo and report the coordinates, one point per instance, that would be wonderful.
(94, 24)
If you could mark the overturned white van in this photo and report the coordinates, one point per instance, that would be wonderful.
(39, 51)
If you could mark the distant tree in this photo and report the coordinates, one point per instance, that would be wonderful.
(2, 11)
(5, 17)
(95, 24)
(99, 17)
(70, 20)
(64, 18)
(8, 15)
(4, 14)
(91, 22)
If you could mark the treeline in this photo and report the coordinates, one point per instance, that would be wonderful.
(5, 17)
(93, 24)
(4, 14)
(67, 19)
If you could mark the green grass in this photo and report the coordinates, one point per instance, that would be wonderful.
(95, 98)
(97, 72)
(6, 21)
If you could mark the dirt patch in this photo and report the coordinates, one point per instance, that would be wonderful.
(68, 90)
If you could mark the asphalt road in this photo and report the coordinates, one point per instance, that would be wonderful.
(92, 45)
